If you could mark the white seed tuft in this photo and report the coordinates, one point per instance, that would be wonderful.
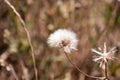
(63, 38)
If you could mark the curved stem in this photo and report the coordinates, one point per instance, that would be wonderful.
(27, 34)
(79, 69)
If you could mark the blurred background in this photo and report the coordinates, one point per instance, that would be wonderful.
(94, 22)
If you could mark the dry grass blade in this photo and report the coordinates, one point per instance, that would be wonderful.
(27, 33)
(111, 21)
(13, 72)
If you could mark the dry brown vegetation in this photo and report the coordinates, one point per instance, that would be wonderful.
(94, 22)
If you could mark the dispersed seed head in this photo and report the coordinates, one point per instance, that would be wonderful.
(103, 56)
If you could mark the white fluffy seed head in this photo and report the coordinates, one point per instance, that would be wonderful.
(103, 55)
(63, 38)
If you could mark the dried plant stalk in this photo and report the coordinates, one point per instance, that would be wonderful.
(94, 77)
(13, 72)
(27, 34)
(106, 72)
